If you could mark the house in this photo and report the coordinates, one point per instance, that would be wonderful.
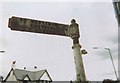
(25, 76)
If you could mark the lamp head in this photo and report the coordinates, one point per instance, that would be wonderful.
(2, 51)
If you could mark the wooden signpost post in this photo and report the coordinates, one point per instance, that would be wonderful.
(72, 30)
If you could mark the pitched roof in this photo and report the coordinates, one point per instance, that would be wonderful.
(32, 75)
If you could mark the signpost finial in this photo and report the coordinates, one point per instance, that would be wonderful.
(74, 31)
(73, 21)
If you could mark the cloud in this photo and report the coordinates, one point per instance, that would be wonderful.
(113, 38)
(110, 41)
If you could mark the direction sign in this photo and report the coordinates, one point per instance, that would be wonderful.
(37, 26)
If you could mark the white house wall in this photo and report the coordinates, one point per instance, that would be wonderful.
(45, 77)
(11, 77)
(26, 78)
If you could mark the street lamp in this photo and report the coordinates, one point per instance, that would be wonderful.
(2, 51)
(111, 60)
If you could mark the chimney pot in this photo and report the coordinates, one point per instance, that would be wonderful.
(13, 65)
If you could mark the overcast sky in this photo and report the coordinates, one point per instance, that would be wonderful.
(98, 27)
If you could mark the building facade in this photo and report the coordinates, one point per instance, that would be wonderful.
(25, 76)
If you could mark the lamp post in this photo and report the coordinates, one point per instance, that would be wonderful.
(111, 60)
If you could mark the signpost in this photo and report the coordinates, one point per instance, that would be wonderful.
(72, 30)
(36, 26)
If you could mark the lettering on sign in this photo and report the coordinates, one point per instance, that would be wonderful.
(29, 25)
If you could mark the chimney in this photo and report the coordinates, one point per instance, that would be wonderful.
(24, 68)
(35, 67)
(13, 65)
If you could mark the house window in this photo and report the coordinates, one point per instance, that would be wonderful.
(41, 81)
(25, 81)
(44, 81)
